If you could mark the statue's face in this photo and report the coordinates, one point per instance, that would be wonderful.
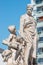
(12, 29)
(29, 11)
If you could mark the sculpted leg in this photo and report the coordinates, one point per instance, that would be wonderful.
(9, 62)
(29, 44)
(26, 54)
(34, 52)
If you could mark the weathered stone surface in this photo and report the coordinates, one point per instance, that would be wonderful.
(22, 48)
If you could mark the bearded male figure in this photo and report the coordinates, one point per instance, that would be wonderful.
(28, 32)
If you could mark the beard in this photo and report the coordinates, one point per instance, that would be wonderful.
(29, 12)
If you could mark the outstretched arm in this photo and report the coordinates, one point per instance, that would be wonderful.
(7, 41)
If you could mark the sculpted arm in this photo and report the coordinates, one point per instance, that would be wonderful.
(21, 25)
(7, 41)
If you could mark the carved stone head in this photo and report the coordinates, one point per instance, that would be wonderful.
(29, 9)
(12, 29)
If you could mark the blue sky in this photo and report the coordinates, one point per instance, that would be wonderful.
(10, 12)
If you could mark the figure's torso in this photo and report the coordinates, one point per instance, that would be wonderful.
(30, 21)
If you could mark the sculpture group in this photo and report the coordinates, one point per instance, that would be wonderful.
(22, 48)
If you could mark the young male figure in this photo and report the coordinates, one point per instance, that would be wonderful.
(28, 32)
(16, 45)
(11, 42)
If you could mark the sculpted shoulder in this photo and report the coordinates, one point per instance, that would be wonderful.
(23, 16)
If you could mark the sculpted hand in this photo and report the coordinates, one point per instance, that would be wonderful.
(5, 42)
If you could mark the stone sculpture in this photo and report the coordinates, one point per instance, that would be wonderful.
(28, 32)
(22, 48)
(12, 45)
(16, 44)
